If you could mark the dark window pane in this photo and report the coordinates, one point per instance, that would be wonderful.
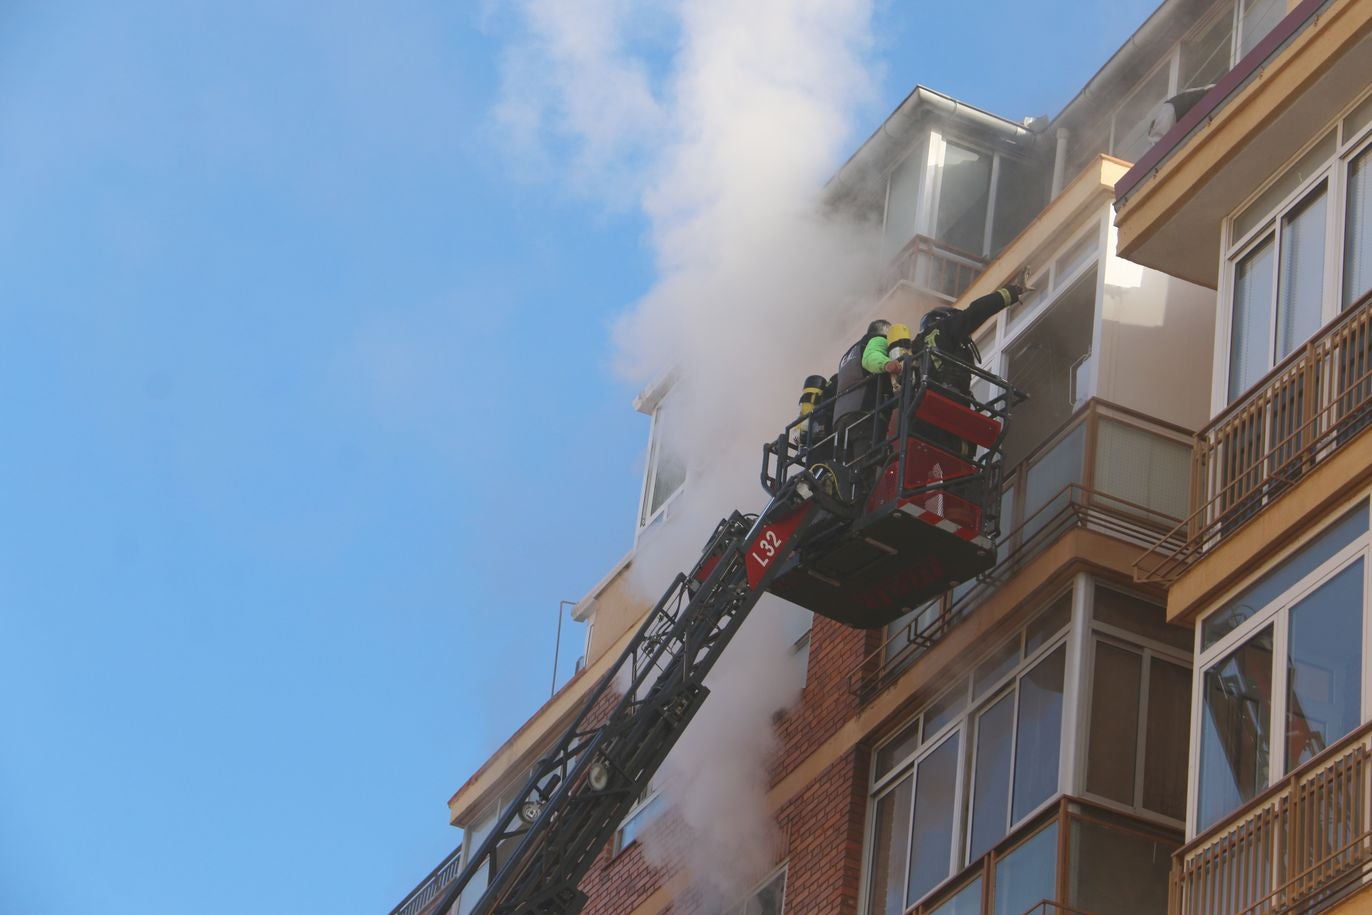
(1165, 743)
(1205, 55)
(1049, 624)
(1300, 278)
(1235, 729)
(1291, 570)
(1324, 672)
(963, 195)
(1027, 874)
(966, 901)
(945, 709)
(1019, 198)
(993, 669)
(1117, 872)
(991, 790)
(890, 840)
(932, 834)
(1133, 614)
(767, 901)
(1038, 738)
(1113, 743)
(897, 749)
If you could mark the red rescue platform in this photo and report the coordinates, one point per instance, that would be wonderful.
(922, 517)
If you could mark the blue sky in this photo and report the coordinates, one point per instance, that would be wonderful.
(310, 421)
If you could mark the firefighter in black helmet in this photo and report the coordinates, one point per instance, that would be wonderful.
(950, 330)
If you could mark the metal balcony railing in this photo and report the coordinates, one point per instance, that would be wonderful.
(1304, 410)
(1108, 469)
(933, 267)
(1302, 844)
(417, 901)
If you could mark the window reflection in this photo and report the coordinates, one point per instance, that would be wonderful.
(932, 831)
(1324, 666)
(1027, 874)
(1235, 736)
(1038, 739)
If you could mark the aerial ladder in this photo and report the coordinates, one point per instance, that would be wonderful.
(869, 517)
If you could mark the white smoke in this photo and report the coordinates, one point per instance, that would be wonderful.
(726, 143)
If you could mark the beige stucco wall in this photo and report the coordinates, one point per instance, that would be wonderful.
(1156, 343)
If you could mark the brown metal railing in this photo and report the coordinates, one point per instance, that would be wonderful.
(933, 267)
(1303, 842)
(1034, 521)
(419, 898)
(1299, 414)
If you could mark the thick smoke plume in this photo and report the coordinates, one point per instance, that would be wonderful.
(726, 140)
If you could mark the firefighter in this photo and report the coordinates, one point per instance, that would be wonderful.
(950, 330)
(861, 383)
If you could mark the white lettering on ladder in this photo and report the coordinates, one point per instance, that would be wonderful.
(767, 544)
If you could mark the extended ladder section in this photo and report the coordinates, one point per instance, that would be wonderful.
(546, 840)
(870, 514)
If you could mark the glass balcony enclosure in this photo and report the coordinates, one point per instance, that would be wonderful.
(1087, 699)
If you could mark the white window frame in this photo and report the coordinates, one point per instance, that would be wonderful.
(1277, 614)
(780, 871)
(641, 807)
(647, 495)
(1147, 649)
(964, 726)
(931, 186)
(1333, 172)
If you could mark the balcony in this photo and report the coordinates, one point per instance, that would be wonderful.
(1077, 858)
(418, 900)
(1296, 418)
(1301, 846)
(1108, 470)
(932, 267)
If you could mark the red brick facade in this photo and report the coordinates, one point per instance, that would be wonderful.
(821, 826)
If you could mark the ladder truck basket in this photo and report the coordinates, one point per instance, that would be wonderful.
(916, 482)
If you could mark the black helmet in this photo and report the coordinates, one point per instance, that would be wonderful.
(934, 316)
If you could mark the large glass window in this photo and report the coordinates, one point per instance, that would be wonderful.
(1287, 275)
(1324, 666)
(666, 470)
(902, 201)
(1038, 738)
(964, 192)
(1250, 341)
(931, 831)
(1025, 875)
(1134, 116)
(1205, 54)
(1236, 715)
(1357, 237)
(991, 777)
(1301, 274)
(1283, 668)
(766, 899)
(890, 846)
(1256, 19)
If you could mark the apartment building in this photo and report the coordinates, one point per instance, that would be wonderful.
(1265, 180)
(1182, 571)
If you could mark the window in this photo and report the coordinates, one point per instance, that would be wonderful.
(977, 199)
(1255, 19)
(964, 192)
(1287, 276)
(1280, 676)
(666, 471)
(766, 899)
(1129, 138)
(649, 806)
(992, 739)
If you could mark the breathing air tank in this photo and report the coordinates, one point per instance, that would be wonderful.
(898, 346)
